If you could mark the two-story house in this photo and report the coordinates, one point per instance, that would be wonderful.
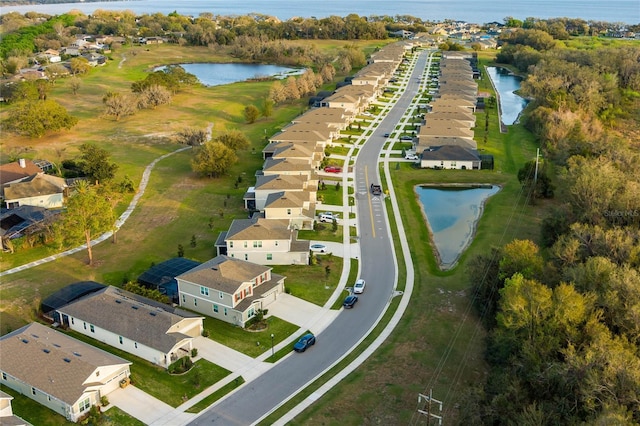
(264, 241)
(229, 289)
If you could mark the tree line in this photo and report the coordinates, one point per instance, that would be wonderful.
(563, 316)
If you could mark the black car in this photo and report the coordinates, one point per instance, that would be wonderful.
(304, 342)
(350, 301)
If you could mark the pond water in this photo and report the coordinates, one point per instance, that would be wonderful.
(506, 83)
(211, 74)
(452, 214)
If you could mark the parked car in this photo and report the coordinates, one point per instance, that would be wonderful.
(333, 169)
(406, 138)
(327, 217)
(386, 135)
(358, 287)
(318, 247)
(304, 342)
(350, 301)
(411, 157)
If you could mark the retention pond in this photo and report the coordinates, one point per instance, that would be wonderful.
(452, 213)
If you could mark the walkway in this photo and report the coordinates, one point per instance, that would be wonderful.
(121, 220)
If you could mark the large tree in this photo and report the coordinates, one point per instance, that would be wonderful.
(119, 105)
(88, 214)
(213, 159)
(96, 163)
(233, 139)
(34, 118)
(251, 114)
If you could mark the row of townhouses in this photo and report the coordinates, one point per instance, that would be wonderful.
(445, 138)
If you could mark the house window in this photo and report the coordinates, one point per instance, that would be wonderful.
(230, 244)
(246, 256)
(453, 164)
(289, 211)
(221, 294)
(245, 244)
(195, 302)
(276, 243)
(4, 376)
(257, 244)
(269, 256)
(84, 405)
(135, 344)
(251, 312)
(120, 339)
(85, 325)
(72, 320)
(204, 291)
(33, 391)
(225, 312)
(93, 330)
(215, 308)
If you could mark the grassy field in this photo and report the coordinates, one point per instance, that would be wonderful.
(177, 205)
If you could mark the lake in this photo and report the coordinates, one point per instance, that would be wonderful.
(506, 83)
(452, 213)
(429, 10)
(212, 74)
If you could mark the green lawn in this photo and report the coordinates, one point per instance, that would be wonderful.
(313, 283)
(252, 343)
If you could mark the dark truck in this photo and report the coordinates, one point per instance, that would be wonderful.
(376, 189)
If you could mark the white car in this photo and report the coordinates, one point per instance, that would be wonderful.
(327, 217)
(358, 287)
(318, 247)
(411, 157)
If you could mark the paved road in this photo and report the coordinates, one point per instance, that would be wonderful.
(260, 396)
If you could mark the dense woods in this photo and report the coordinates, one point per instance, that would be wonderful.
(563, 319)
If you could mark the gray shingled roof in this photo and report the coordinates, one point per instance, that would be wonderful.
(224, 273)
(52, 362)
(127, 315)
(449, 153)
(259, 229)
(34, 186)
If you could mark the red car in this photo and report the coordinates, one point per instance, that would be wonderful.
(333, 169)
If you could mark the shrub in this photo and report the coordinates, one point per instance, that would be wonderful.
(194, 352)
(182, 365)
(104, 401)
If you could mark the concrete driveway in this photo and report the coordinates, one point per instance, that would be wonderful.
(301, 313)
(143, 406)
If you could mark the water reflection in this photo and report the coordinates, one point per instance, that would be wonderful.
(212, 74)
(452, 214)
(505, 83)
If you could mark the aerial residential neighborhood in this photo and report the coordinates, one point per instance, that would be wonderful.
(246, 219)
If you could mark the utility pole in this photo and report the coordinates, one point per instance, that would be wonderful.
(427, 410)
(535, 174)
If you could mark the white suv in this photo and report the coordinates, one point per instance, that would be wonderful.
(327, 217)
(410, 157)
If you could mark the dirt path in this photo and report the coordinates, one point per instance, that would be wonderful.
(124, 58)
